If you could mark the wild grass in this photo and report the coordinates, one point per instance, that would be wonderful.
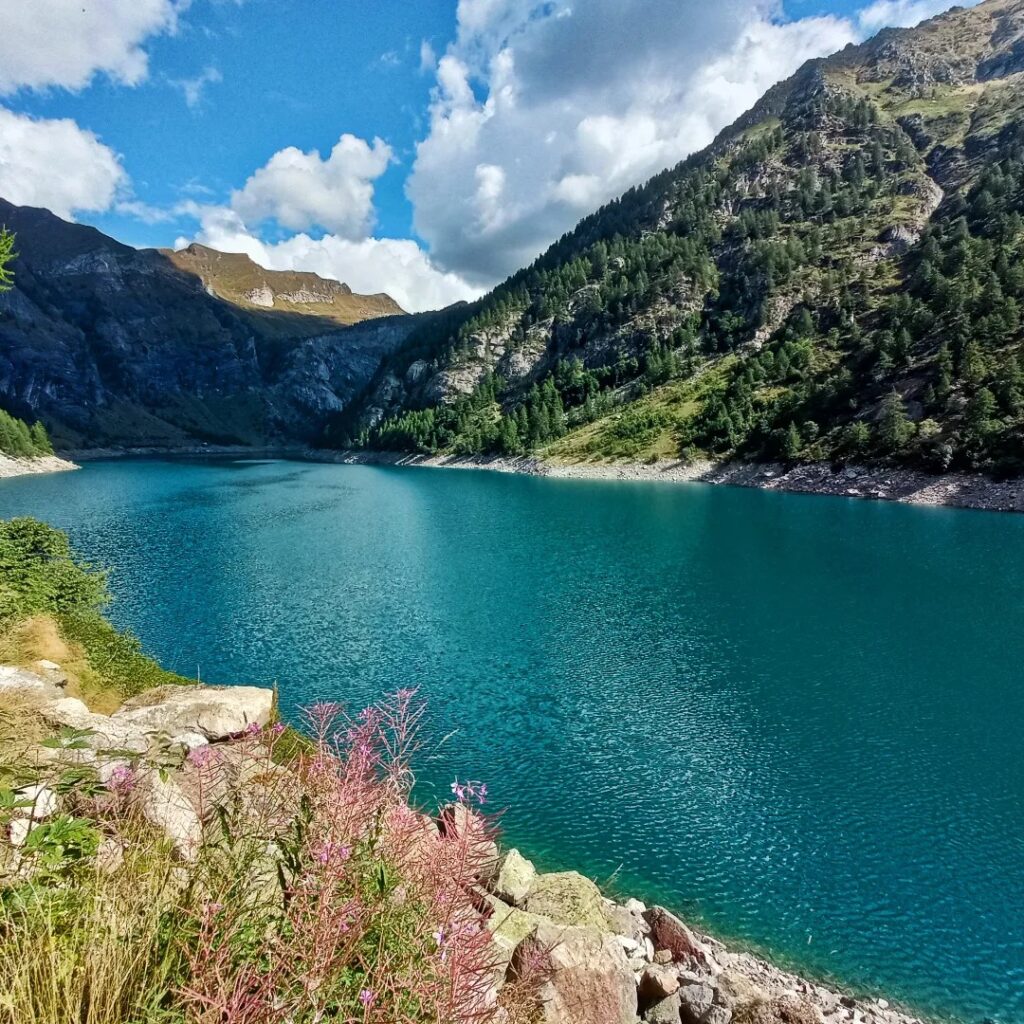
(317, 893)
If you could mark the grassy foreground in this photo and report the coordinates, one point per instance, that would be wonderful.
(313, 892)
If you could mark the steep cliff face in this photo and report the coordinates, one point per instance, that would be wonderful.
(111, 345)
(836, 275)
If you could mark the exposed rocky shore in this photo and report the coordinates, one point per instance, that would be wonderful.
(11, 467)
(600, 961)
(880, 483)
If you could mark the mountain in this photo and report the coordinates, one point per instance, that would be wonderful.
(237, 279)
(110, 345)
(838, 276)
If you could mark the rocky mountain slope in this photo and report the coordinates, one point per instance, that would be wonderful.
(110, 345)
(237, 279)
(838, 276)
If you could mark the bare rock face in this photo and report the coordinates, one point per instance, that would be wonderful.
(567, 898)
(215, 712)
(515, 876)
(103, 732)
(587, 977)
(668, 932)
(29, 684)
(164, 805)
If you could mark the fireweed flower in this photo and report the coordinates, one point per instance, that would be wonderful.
(466, 791)
(203, 756)
(122, 780)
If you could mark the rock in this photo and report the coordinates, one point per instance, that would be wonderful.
(585, 977)
(515, 876)
(28, 684)
(668, 932)
(636, 907)
(623, 921)
(41, 801)
(109, 856)
(783, 1010)
(663, 956)
(19, 829)
(567, 898)
(717, 1015)
(165, 806)
(664, 1012)
(104, 732)
(737, 992)
(216, 712)
(509, 925)
(695, 1000)
(461, 822)
(656, 982)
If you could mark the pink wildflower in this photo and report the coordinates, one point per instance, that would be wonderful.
(122, 780)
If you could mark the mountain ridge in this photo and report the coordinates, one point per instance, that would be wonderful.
(861, 221)
(112, 346)
(238, 279)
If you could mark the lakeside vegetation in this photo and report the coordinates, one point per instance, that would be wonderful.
(314, 892)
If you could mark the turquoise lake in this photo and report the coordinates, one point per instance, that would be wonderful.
(797, 719)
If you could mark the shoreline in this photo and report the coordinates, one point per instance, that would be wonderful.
(873, 483)
(870, 483)
(11, 467)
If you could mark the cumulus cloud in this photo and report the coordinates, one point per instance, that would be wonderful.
(302, 190)
(542, 112)
(56, 164)
(66, 42)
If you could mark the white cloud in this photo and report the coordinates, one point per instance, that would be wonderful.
(302, 190)
(542, 112)
(428, 58)
(56, 164)
(66, 42)
(192, 88)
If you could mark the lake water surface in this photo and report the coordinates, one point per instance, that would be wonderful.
(798, 719)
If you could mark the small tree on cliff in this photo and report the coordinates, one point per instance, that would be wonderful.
(7, 255)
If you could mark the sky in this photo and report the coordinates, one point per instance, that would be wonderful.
(425, 148)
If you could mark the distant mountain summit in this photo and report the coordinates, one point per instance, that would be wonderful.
(838, 276)
(239, 280)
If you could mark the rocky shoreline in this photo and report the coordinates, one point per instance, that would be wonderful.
(878, 483)
(11, 467)
(600, 961)
(875, 483)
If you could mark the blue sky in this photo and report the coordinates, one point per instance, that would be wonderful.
(422, 147)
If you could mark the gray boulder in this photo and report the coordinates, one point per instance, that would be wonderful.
(215, 712)
(567, 898)
(164, 805)
(104, 732)
(24, 683)
(515, 876)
